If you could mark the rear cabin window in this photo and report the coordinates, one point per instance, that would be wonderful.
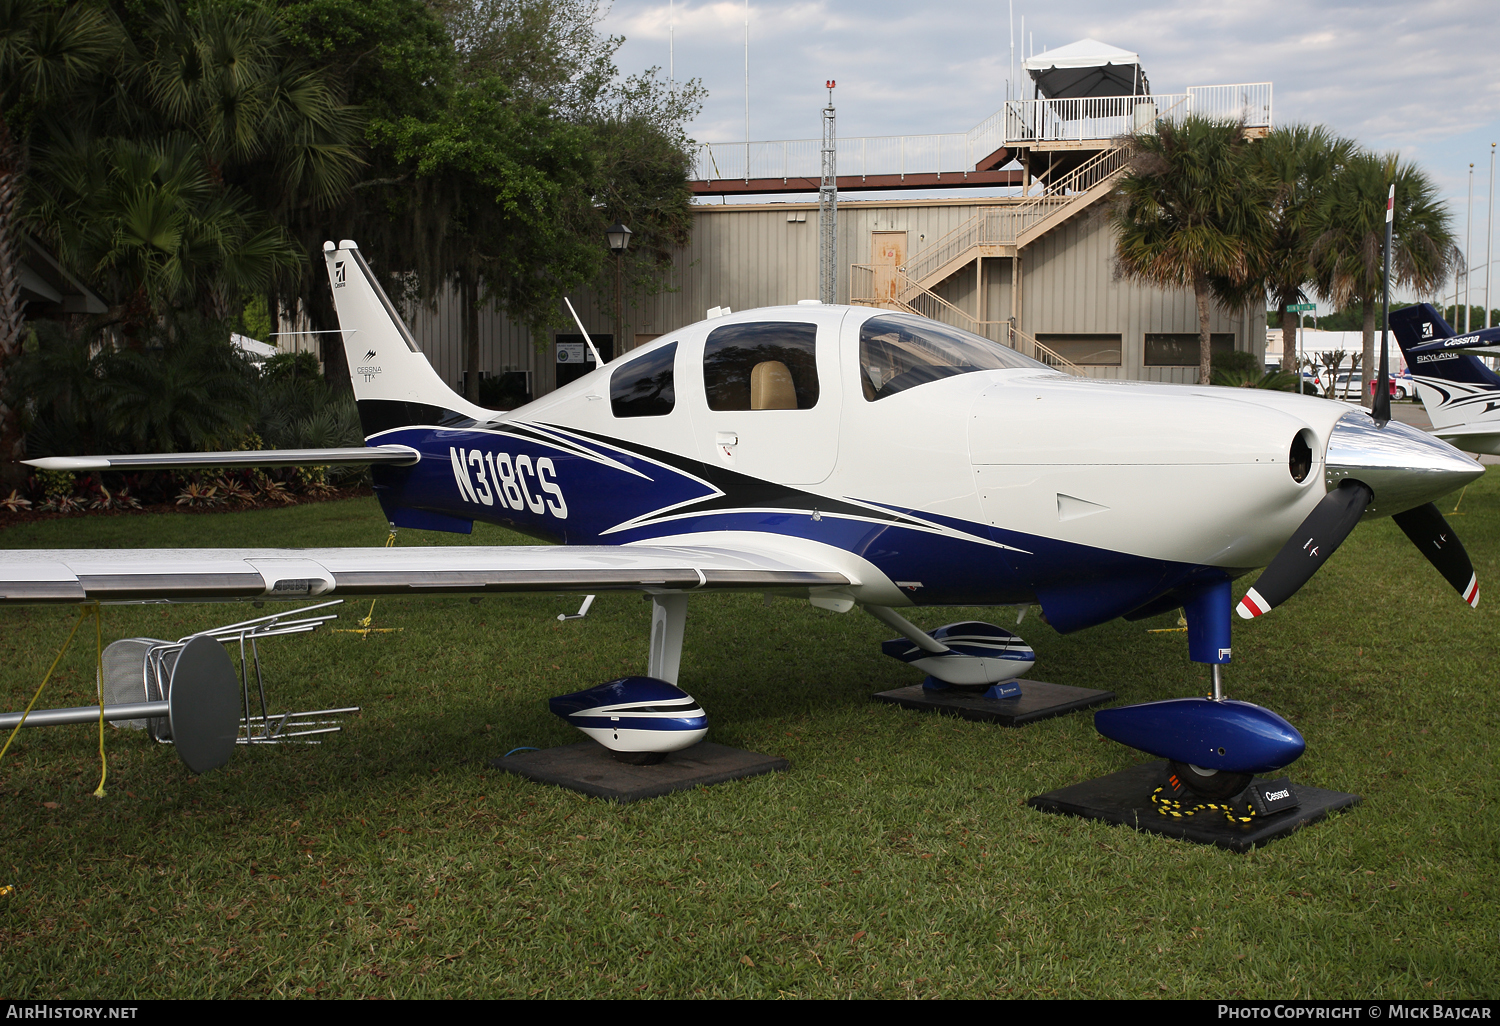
(761, 366)
(644, 387)
(901, 351)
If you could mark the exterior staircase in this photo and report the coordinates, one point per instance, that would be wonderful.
(1002, 230)
(919, 300)
(997, 231)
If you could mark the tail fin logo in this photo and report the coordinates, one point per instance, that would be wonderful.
(370, 355)
(338, 274)
(1426, 329)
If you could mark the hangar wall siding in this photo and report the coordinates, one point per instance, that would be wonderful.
(749, 255)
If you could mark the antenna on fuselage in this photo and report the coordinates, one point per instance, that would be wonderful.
(598, 360)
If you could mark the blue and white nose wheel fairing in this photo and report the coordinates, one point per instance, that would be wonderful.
(640, 719)
(1215, 746)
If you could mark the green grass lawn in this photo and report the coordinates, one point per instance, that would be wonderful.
(895, 858)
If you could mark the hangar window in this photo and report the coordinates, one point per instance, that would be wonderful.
(1181, 349)
(644, 387)
(769, 365)
(900, 351)
(1086, 350)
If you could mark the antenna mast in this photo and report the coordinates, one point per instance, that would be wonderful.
(828, 209)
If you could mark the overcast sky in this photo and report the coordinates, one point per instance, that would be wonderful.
(1415, 77)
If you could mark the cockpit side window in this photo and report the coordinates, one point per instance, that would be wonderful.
(645, 387)
(900, 351)
(769, 365)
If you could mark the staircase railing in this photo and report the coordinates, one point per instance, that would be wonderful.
(911, 297)
(1022, 342)
(1005, 225)
(1009, 225)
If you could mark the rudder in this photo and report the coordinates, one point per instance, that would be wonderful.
(394, 384)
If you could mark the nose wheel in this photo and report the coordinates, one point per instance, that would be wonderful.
(1214, 785)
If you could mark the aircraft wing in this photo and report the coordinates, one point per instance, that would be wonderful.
(1477, 436)
(30, 576)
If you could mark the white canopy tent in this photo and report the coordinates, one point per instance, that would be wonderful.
(1087, 68)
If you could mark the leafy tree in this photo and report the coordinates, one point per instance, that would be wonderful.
(148, 224)
(1454, 315)
(187, 389)
(497, 134)
(1302, 164)
(1347, 255)
(1192, 211)
(48, 53)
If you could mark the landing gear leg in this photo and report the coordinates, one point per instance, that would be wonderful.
(668, 622)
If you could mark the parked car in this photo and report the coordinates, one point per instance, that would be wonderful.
(1346, 386)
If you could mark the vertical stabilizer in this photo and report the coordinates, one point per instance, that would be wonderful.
(394, 384)
(1460, 393)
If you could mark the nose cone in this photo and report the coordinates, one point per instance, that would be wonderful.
(1403, 466)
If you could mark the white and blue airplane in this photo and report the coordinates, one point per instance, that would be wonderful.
(856, 457)
(1461, 395)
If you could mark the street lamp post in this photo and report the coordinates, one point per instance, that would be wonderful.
(619, 238)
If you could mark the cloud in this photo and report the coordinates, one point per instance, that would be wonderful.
(1392, 75)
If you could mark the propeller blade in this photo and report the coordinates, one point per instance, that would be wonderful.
(1430, 533)
(1316, 539)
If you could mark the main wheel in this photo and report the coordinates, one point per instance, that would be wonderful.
(1214, 785)
(638, 758)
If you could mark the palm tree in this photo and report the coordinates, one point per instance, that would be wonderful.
(148, 222)
(268, 120)
(1193, 211)
(1347, 255)
(1302, 162)
(47, 51)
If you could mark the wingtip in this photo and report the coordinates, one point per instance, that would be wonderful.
(1471, 593)
(74, 463)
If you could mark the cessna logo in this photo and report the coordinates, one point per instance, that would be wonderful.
(1271, 796)
(1426, 329)
(338, 274)
(368, 372)
(370, 355)
(498, 478)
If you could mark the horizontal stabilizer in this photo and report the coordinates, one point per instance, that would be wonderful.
(393, 455)
(1483, 436)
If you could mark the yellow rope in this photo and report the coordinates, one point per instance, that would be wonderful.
(1177, 810)
(82, 612)
(364, 630)
(99, 669)
(390, 540)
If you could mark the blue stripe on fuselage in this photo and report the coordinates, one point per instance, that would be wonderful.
(613, 496)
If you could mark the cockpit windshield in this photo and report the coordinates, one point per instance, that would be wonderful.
(898, 351)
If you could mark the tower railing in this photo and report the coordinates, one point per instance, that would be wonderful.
(1017, 123)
